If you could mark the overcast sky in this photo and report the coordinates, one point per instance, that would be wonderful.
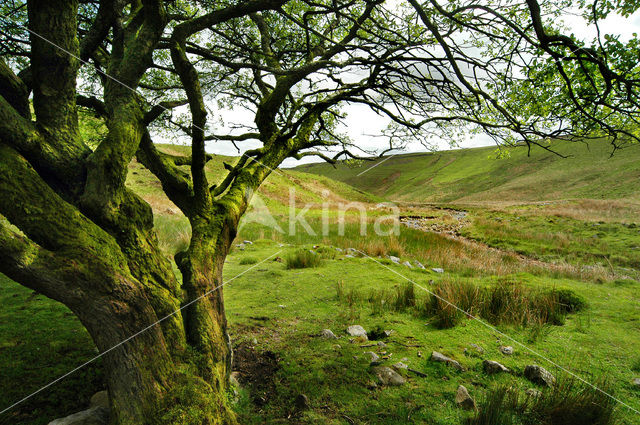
(364, 123)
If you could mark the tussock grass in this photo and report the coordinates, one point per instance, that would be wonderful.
(302, 259)
(567, 403)
(507, 302)
(248, 260)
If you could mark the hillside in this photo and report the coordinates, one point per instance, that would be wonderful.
(474, 176)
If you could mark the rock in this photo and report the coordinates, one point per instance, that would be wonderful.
(437, 270)
(388, 333)
(419, 353)
(282, 306)
(439, 357)
(240, 246)
(338, 249)
(420, 265)
(247, 242)
(100, 399)
(388, 376)
(490, 367)
(394, 259)
(349, 256)
(374, 359)
(532, 392)
(539, 375)
(302, 402)
(477, 348)
(93, 416)
(328, 334)
(254, 341)
(407, 264)
(357, 330)
(381, 344)
(399, 366)
(463, 399)
(506, 350)
(636, 382)
(337, 347)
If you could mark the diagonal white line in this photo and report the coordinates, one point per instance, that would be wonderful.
(494, 329)
(378, 163)
(134, 335)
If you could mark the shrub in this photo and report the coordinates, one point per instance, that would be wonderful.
(569, 402)
(248, 260)
(303, 259)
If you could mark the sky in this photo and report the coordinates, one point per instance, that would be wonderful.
(364, 124)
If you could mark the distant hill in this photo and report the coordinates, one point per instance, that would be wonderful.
(475, 176)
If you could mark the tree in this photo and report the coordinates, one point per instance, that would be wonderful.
(76, 234)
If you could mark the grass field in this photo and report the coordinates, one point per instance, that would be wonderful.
(287, 295)
(479, 176)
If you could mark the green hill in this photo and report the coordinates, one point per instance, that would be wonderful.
(473, 176)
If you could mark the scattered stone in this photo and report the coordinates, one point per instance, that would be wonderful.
(337, 347)
(374, 359)
(419, 265)
(407, 264)
(636, 382)
(328, 334)
(387, 333)
(371, 385)
(477, 348)
(381, 344)
(388, 376)
(338, 249)
(282, 306)
(352, 250)
(394, 259)
(247, 242)
(506, 350)
(240, 246)
(532, 392)
(490, 367)
(100, 399)
(437, 270)
(349, 256)
(399, 366)
(302, 402)
(357, 330)
(439, 357)
(463, 399)
(419, 353)
(539, 375)
(93, 416)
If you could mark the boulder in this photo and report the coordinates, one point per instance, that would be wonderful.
(328, 334)
(394, 259)
(539, 375)
(463, 399)
(388, 376)
(357, 330)
(437, 270)
(100, 399)
(93, 416)
(439, 357)
(490, 367)
(374, 359)
(506, 350)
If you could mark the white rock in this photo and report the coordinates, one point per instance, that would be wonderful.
(407, 264)
(439, 357)
(437, 270)
(399, 366)
(394, 259)
(539, 375)
(328, 334)
(463, 398)
(506, 350)
(388, 376)
(374, 359)
(356, 330)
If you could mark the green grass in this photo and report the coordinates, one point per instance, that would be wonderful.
(477, 176)
(284, 307)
